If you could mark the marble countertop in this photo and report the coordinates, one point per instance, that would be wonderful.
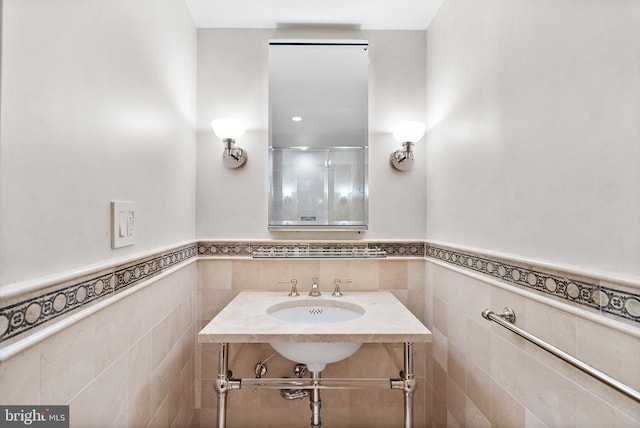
(245, 320)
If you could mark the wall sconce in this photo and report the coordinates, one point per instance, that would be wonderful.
(407, 133)
(228, 129)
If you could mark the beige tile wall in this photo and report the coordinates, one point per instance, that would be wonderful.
(136, 363)
(220, 280)
(130, 364)
(480, 374)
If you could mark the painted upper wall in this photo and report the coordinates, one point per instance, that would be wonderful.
(98, 104)
(233, 81)
(533, 131)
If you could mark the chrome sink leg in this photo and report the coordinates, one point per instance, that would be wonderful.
(315, 401)
(222, 384)
(407, 383)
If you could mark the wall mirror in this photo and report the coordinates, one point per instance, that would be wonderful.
(318, 112)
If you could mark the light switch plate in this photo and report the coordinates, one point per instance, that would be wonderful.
(123, 224)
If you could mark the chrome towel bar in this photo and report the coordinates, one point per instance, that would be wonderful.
(506, 319)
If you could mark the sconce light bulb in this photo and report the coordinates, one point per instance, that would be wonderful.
(409, 131)
(227, 128)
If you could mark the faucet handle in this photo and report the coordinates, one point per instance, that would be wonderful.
(336, 291)
(294, 289)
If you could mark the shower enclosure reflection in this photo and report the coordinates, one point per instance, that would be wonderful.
(319, 187)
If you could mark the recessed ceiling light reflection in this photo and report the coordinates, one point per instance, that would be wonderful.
(296, 118)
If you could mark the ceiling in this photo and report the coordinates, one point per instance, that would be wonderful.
(362, 14)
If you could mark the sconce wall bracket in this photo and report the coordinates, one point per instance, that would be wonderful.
(402, 159)
(233, 156)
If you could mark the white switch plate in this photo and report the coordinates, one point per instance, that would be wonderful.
(123, 224)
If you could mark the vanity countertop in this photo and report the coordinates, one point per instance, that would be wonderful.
(245, 320)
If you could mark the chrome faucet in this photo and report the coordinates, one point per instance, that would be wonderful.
(294, 289)
(336, 291)
(315, 289)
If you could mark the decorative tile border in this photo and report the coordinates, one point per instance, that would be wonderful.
(225, 249)
(136, 272)
(23, 316)
(585, 292)
(246, 249)
(402, 249)
(20, 317)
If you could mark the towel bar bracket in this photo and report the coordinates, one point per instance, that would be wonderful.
(507, 314)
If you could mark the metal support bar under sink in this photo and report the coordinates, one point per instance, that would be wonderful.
(224, 384)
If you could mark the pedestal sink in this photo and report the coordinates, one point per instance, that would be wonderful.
(316, 355)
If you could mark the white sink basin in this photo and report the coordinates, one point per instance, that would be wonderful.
(316, 355)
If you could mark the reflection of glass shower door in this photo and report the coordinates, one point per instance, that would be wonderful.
(303, 183)
(317, 187)
(346, 192)
(311, 186)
